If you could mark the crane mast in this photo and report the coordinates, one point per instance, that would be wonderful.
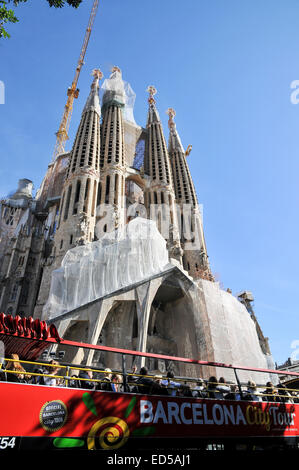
(73, 92)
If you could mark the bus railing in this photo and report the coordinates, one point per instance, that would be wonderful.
(129, 379)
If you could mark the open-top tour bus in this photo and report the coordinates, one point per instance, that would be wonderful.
(35, 416)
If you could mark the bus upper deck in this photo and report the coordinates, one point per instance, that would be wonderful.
(59, 406)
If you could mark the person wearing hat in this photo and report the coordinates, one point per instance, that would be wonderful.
(251, 393)
(106, 384)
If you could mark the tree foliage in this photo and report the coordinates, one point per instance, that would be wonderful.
(7, 15)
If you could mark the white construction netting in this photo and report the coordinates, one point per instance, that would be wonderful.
(234, 335)
(119, 259)
(116, 89)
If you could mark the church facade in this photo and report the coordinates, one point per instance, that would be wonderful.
(117, 172)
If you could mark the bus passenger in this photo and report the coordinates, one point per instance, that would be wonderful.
(212, 391)
(86, 374)
(51, 371)
(251, 393)
(116, 382)
(15, 366)
(270, 393)
(106, 382)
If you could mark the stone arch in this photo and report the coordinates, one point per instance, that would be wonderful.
(116, 331)
(76, 330)
(170, 330)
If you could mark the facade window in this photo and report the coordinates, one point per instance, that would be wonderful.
(24, 293)
(67, 204)
(14, 293)
(107, 189)
(93, 206)
(31, 261)
(61, 244)
(61, 208)
(9, 215)
(99, 197)
(21, 260)
(77, 196)
(116, 189)
(86, 195)
(71, 239)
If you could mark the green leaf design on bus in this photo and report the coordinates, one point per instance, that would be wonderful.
(64, 442)
(89, 403)
(130, 407)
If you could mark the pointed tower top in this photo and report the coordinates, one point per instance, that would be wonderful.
(174, 138)
(97, 74)
(93, 100)
(171, 113)
(153, 115)
(115, 69)
(152, 91)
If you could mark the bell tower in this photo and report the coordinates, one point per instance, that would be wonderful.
(78, 203)
(195, 258)
(159, 196)
(112, 162)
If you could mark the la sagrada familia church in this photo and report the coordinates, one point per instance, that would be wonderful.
(112, 249)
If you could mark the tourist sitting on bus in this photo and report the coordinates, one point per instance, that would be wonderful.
(171, 385)
(105, 384)
(86, 374)
(199, 391)
(51, 370)
(222, 386)
(252, 394)
(143, 384)
(116, 382)
(36, 379)
(74, 381)
(18, 373)
(212, 391)
(184, 390)
(270, 393)
(234, 393)
(158, 387)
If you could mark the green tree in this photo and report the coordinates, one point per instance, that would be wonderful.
(7, 15)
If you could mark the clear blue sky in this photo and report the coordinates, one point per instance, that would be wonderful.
(226, 67)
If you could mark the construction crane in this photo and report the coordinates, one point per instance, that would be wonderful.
(73, 92)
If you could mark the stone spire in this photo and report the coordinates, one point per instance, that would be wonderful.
(153, 115)
(79, 196)
(160, 196)
(158, 165)
(113, 162)
(93, 101)
(195, 257)
(183, 184)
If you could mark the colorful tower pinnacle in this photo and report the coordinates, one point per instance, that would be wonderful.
(160, 195)
(195, 257)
